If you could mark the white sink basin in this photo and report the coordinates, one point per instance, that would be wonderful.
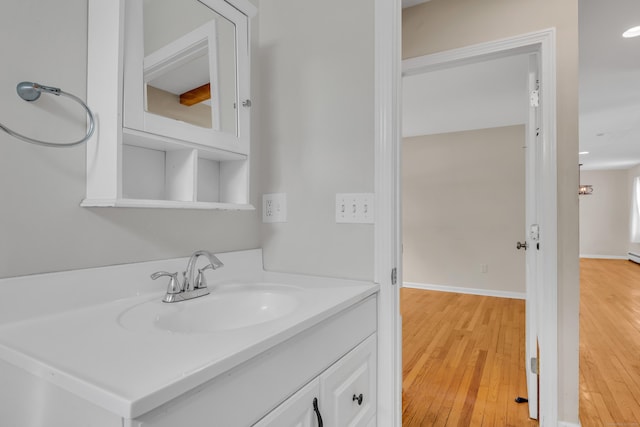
(227, 307)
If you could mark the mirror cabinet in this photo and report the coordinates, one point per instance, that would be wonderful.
(169, 82)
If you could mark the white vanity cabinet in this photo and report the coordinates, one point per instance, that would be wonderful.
(345, 394)
(107, 358)
(333, 361)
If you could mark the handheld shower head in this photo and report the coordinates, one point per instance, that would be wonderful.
(30, 91)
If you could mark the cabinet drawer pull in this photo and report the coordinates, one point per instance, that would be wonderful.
(317, 411)
(358, 398)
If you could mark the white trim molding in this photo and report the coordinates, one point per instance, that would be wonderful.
(634, 257)
(466, 290)
(387, 235)
(567, 424)
(596, 256)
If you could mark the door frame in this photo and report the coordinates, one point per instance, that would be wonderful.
(387, 231)
(388, 199)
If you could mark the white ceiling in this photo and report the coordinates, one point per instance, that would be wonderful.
(491, 94)
(609, 84)
(478, 96)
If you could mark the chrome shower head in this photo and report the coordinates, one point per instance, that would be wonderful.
(30, 91)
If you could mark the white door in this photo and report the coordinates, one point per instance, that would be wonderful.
(532, 235)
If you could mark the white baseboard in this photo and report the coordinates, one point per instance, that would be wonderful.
(567, 424)
(464, 290)
(604, 256)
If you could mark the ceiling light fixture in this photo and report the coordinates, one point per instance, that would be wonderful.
(583, 152)
(583, 189)
(631, 32)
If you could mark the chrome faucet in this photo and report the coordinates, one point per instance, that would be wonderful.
(190, 281)
(192, 286)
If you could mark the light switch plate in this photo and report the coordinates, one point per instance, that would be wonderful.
(274, 207)
(355, 208)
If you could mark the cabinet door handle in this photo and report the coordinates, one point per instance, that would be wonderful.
(317, 411)
(358, 398)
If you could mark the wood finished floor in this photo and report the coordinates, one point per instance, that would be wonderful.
(463, 360)
(609, 343)
(462, 354)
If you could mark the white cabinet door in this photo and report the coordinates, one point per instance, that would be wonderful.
(348, 388)
(297, 411)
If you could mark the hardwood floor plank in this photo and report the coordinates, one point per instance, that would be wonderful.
(462, 360)
(472, 390)
(609, 343)
(463, 355)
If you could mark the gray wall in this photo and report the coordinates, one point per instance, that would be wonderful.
(312, 137)
(42, 227)
(317, 131)
(604, 215)
(463, 206)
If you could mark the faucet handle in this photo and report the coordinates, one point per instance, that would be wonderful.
(201, 280)
(174, 286)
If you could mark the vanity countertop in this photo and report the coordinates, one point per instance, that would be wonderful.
(87, 351)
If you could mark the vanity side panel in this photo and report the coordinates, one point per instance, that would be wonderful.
(28, 401)
(246, 393)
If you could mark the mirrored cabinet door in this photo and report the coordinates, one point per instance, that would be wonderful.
(186, 72)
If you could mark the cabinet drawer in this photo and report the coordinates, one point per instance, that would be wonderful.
(348, 388)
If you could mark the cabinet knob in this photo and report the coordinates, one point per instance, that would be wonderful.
(358, 398)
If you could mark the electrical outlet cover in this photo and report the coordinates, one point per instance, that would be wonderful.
(274, 207)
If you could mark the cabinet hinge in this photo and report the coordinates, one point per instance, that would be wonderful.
(394, 276)
(535, 369)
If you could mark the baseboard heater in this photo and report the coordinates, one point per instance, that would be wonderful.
(634, 257)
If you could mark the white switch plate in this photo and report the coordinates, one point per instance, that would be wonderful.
(274, 207)
(355, 208)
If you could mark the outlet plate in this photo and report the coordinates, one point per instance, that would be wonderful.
(355, 208)
(274, 207)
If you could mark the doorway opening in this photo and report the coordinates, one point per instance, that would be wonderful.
(545, 323)
(463, 178)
